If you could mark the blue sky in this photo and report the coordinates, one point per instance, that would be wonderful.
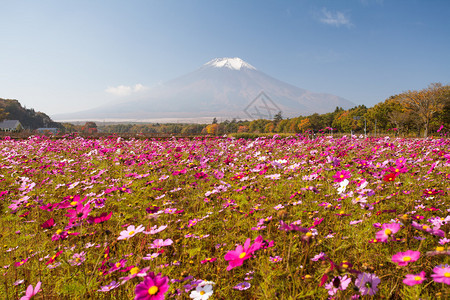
(64, 56)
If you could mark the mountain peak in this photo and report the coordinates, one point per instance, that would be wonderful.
(231, 63)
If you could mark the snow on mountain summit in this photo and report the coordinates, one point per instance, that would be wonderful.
(231, 63)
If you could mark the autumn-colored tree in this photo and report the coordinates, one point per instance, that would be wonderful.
(242, 128)
(304, 124)
(212, 129)
(425, 103)
(270, 127)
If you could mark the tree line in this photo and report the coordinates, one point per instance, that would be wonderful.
(411, 113)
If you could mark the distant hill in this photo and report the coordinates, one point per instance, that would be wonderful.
(225, 88)
(28, 117)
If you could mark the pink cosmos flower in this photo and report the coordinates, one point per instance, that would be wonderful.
(209, 260)
(320, 256)
(158, 243)
(155, 230)
(427, 228)
(192, 222)
(275, 259)
(130, 232)
(78, 259)
(53, 258)
(338, 283)
(388, 229)
(103, 217)
(48, 224)
(404, 258)
(292, 226)
(152, 288)
(80, 212)
(108, 287)
(30, 292)
(441, 274)
(341, 175)
(135, 272)
(413, 279)
(236, 257)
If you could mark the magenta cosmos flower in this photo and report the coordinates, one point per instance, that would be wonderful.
(341, 175)
(152, 288)
(404, 258)
(413, 279)
(237, 257)
(388, 229)
(441, 274)
(80, 212)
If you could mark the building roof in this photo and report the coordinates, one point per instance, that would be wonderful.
(9, 124)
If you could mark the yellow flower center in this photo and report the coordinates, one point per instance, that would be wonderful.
(309, 233)
(134, 270)
(131, 232)
(202, 293)
(58, 231)
(417, 278)
(406, 258)
(153, 290)
(342, 176)
(242, 255)
(118, 265)
(388, 231)
(425, 227)
(439, 248)
(447, 274)
(73, 203)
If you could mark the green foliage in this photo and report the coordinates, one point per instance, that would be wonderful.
(28, 117)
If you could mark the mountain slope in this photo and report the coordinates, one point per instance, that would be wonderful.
(225, 88)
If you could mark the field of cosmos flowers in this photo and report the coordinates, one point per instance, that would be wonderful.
(225, 218)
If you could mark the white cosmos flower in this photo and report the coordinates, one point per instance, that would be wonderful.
(202, 292)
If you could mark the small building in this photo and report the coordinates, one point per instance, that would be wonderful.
(10, 125)
(48, 130)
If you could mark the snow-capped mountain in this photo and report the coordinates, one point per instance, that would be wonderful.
(230, 63)
(225, 88)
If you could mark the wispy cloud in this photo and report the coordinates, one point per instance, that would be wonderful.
(124, 90)
(334, 18)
